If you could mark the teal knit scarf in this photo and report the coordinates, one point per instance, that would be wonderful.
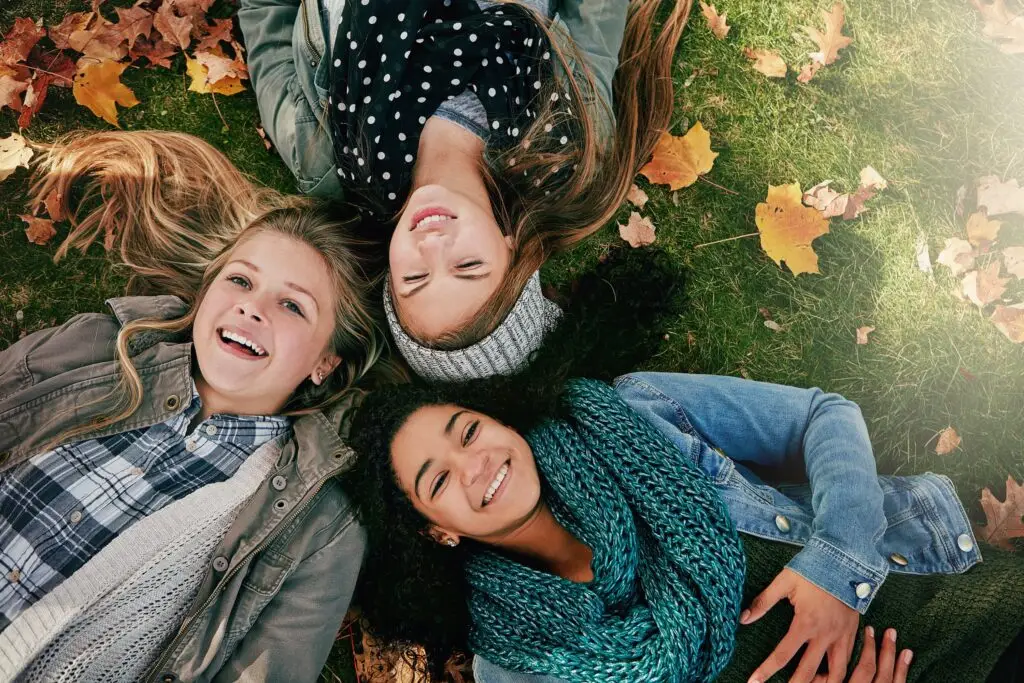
(668, 565)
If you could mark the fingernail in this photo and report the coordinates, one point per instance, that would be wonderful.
(754, 679)
(744, 615)
(907, 656)
(891, 634)
(870, 632)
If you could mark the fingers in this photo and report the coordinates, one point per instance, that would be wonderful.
(839, 659)
(886, 657)
(903, 666)
(775, 591)
(779, 657)
(808, 666)
(881, 665)
(865, 671)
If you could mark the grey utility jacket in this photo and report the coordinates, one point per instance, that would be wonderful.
(280, 582)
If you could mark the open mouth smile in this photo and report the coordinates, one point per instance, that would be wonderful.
(240, 345)
(498, 484)
(432, 216)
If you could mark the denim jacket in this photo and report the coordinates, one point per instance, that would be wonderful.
(280, 580)
(854, 526)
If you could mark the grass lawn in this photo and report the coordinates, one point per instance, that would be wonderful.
(920, 95)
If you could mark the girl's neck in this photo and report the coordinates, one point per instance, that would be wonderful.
(543, 542)
(214, 403)
(450, 156)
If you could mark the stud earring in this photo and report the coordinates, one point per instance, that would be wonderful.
(450, 542)
(320, 375)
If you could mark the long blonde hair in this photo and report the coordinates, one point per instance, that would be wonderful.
(173, 208)
(543, 218)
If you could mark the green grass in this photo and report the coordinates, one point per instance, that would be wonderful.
(919, 95)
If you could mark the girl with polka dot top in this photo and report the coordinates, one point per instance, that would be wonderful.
(487, 135)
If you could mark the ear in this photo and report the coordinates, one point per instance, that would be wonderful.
(439, 535)
(508, 241)
(324, 367)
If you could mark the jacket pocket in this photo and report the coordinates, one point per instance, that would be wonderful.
(268, 573)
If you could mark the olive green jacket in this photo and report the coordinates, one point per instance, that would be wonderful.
(280, 582)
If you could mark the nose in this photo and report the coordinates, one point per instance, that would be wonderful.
(474, 466)
(250, 308)
(433, 245)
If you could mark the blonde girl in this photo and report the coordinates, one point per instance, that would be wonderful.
(485, 136)
(168, 508)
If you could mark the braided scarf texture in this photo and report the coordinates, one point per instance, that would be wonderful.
(668, 565)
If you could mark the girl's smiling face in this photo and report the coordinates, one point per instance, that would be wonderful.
(467, 473)
(264, 325)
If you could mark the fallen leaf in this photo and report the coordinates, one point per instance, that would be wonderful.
(716, 21)
(1003, 519)
(11, 91)
(214, 34)
(636, 196)
(133, 23)
(855, 205)
(765, 313)
(200, 80)
(787, 228)
(999, 197)
(957, 255)
(862, 334)
(948, 441)
(98, 87)
(766, 62)
(40, 230)
(20, 40)
(1010, 321)
(981, 231)
(1004, 27)
(773, 326)
(808, 71)
(61, 33)
(691, 339)
(102, 41)
(263, 136)
(825, 199)
(1013, 261)
(220, 67)
(14, 152)
(982, 287)
(54, 203)
(158, 52)
(174, 29)
(679, 161)
(924, 259)
(832, 40)
(638, 231)
(871, 178)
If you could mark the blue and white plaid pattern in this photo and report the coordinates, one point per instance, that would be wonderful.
(63, 506)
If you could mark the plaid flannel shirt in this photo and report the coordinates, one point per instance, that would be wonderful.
(63, 506)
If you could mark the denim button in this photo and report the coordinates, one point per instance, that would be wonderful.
(896, 558)
(220, 563)
(782, 523)
(279, 483)
(965, 543)
(863, 590)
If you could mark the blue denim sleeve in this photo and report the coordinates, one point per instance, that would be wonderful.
(774, 425)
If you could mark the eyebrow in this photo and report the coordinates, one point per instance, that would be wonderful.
(292, 285)
(426, 465)
(420, 286)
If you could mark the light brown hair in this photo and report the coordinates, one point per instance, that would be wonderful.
(173, 208)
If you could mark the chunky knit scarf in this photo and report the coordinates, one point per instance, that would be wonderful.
(668, 565)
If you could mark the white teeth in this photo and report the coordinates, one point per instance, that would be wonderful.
(437, 218)
(244, 342)
(498, 478)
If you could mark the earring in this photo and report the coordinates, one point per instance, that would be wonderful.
(320, 375)
(450, 542)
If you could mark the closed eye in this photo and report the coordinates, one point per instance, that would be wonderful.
(438, 483)
(409, 279)
(469, 264)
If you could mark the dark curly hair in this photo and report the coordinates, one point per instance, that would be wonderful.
(412, 590)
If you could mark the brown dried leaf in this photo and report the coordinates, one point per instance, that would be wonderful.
(862, 334)
(20, 40)
(773, 326)
(958, 255)
(638, 231)
(1010, 321)
(1003, 519)
(855, 207)
(263, 136)
(766, 62)
(61, 33)
(175, 30)
(1005, 28)
(636, 196)
(214, 34)
(54, 203)
(1013, 261)
(158, 52)
(787, 228)
(40, 230)
(14, 152)
(948, 441)
(981, 231)
(809, 71)
(832, 40)
(10, 92)
(103, 41)
(219, 66)
(716, 21)
(679, 161)
(982, 287)
(999, 197)
(133, 23)
(825, 199)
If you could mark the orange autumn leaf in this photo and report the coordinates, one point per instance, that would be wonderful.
(716, 21)
(40, 230)
(98, 86)
(1010, 321)
(948, 441)
(1004, 27)
(766, 62)
(1003, 519)
(638, 231)
(982, 287)
(679, 161)
(831, 40)
(227, 85)
(788, 227)
(862, 334)
(981, 230)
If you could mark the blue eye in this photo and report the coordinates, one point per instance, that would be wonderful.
(239, 280)
(293, 307)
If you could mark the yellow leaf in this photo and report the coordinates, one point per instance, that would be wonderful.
(638, 231)
(980, 230)
(832, 40)
(14, 152)
(678, 161)
(716, 21)
(948, 441)
(767, 62)
(98, 86)
(229, 85)
(788, 227)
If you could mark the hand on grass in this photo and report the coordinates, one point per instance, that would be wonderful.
(879, 667)
(822, 623)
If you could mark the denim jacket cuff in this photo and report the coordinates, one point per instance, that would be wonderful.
(844, 577)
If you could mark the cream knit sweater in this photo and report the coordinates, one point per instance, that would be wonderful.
(110, 619)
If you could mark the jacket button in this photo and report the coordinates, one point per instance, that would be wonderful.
(279, 483)
(220, 563)
(863, 590)
(171, 402)
(782, 523)
(965, 543)
(896, 558)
